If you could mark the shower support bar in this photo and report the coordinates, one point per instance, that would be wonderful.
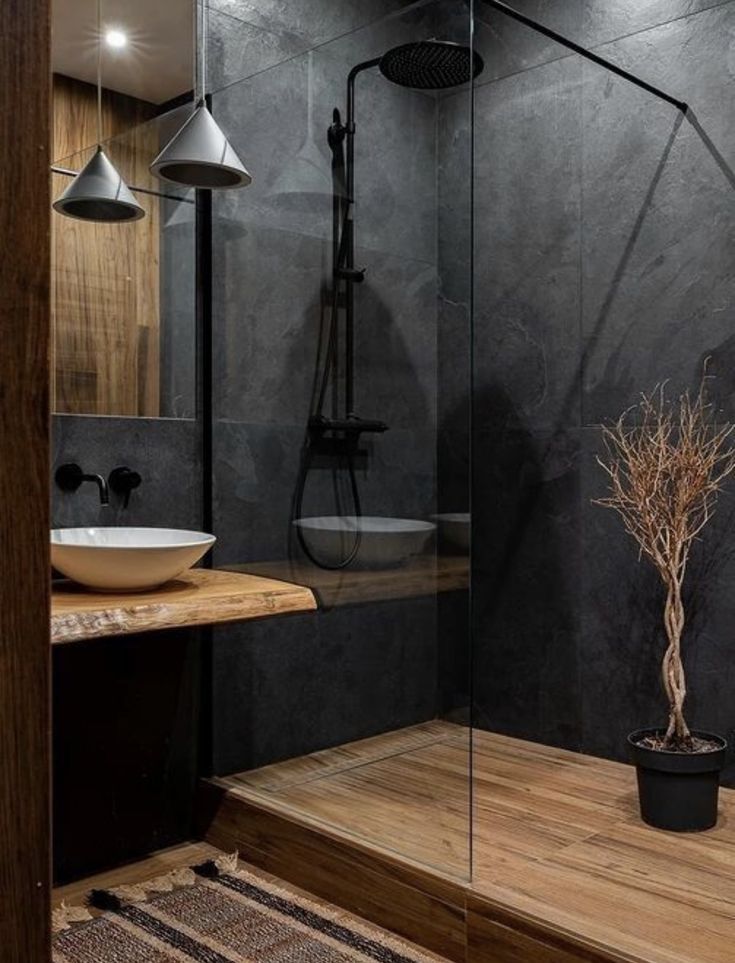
(600, 61)
(67, 172)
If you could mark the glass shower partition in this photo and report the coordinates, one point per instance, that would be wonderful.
(341, 375)
(592, 283)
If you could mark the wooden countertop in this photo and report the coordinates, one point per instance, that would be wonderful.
(422, 576)
(240, 592)
(199, 597)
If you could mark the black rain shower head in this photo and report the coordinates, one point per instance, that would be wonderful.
(430, 64)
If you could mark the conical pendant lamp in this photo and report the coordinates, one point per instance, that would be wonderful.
(200, 155)
(98, 192)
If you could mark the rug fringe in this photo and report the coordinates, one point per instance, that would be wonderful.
(63, 916)
(227, 862)
(175, 879)
(140, 892)
(211, 868)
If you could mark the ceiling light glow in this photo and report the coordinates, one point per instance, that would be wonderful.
(116, 38)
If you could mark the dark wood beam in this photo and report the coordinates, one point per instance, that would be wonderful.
(24, 482)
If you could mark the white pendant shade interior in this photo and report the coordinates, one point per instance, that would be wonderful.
(98, 192)
(199, 155)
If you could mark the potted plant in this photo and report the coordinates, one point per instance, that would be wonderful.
(666, 464)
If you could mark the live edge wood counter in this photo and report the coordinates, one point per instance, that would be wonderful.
(199, 597)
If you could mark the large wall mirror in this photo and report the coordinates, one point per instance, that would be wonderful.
(123, 295)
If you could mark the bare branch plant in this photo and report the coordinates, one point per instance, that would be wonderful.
(666, 464)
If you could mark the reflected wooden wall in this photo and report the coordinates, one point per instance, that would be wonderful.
(105, 277)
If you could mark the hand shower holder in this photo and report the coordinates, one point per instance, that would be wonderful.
(339, 437)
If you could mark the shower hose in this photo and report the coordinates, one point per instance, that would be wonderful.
(307, 449)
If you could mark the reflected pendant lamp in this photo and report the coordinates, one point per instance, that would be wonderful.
(199, 154)
(98, 192)
(303, 184)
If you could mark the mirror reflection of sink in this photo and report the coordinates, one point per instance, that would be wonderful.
(384, 542)
(454, 530)
(126, 559)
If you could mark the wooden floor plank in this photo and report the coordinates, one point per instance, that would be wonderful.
(383, 789)
(328, 762)
(558, 843)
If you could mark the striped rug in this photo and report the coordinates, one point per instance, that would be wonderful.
(219, 913)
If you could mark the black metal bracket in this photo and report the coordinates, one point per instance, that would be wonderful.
(356, 275)
(337, 131)
(68, 172)
(341, 436)
(583, 52)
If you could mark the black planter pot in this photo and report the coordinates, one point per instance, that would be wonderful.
(678, 791)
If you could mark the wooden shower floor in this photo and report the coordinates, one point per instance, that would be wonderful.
(557, 838)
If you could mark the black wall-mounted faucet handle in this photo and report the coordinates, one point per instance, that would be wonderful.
(122, 481)
(69, 477)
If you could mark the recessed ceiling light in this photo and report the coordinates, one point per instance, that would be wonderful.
(115, 38)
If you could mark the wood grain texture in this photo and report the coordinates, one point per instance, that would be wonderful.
(198, 597)
(384, 791)
(491, 942)
(422, 576)
(105, 277)
(564, 870)
(404, 898)
(330, 762)
(24, 473)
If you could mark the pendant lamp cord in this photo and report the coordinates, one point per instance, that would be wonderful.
(99, 73)
(200, 50)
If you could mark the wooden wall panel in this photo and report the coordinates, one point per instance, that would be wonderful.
(24, 480)
(105, 294)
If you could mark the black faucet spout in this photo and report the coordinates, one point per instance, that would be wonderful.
(101, 483)
(70, 477)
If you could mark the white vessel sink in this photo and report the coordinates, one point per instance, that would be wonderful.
(384, 542)
(454, 529)
(125, 559)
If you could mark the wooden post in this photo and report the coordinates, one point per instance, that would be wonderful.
(24, 482)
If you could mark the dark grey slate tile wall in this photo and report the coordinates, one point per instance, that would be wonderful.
(166, 453)
(454, 335)
(286, 687)
(510, 47)
(604, 252)
(527, 243)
